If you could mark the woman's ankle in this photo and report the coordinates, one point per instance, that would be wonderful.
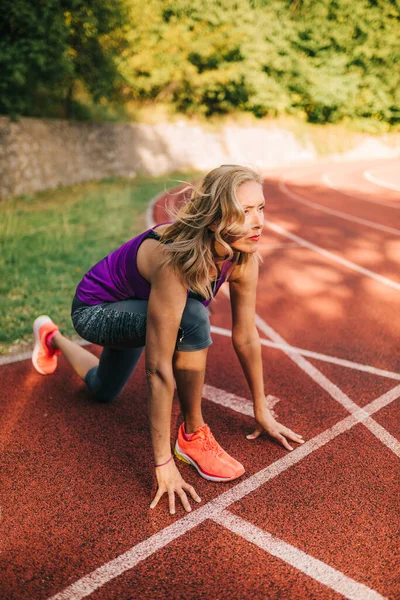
(51, 340)
(192, 424)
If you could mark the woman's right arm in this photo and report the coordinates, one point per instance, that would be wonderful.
(166, 304)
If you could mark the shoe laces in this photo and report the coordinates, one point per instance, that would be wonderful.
(210, 443)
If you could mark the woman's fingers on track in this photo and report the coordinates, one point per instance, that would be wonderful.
(176, 489)
(184, 500)
(171, 500)
(281, 433)
(189, 488)
(283, 441)
(160, 492)
(295, 437)
(255, 434)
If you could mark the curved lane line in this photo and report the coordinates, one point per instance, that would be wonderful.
(332, 256)
(327, 181)
(336, 213)
(124, 562)
(381, 182)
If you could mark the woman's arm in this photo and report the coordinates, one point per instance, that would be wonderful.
(246, 343)
(166, 304)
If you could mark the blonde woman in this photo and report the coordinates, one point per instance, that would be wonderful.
(152, 292)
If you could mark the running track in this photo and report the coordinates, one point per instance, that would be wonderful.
(319, 522)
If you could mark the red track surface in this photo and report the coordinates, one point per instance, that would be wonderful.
(77, 477)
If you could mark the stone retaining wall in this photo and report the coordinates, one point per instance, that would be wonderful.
(37, 154)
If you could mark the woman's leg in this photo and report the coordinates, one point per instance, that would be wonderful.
(105, 377)
(120, 327)
(200, 449)
(116, 365)
(80, 359)
(123, 324)
(189, 371)
(190, 362)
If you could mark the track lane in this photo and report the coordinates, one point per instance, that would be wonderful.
(107, 532)
(324, 199)
(303, 295)
(369, 248)
(385, 177)
(220, 565)
(342, 516)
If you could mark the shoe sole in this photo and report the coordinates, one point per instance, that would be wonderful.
(185, 458)
(36, 327)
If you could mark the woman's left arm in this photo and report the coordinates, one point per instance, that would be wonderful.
(246, 343)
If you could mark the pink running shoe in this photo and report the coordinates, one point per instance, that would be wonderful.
(206, 455)
(44, 357)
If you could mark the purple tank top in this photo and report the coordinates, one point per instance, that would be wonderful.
(116, 277)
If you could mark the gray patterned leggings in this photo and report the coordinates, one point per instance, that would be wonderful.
(120, 327)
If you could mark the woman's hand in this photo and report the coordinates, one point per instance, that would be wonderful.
(266, 422)
(170, 481)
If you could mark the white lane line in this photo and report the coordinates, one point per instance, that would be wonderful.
(328, 182)
(332, 256)
(322, 357)
(381, 182)
(223, 398)
(6, 360)
(383, 435)
(314, 568)
(225, 332)
(236, 403)
(333, 390)
(336, 213)
(91, 582)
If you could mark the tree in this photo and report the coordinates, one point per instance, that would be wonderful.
(51, 44)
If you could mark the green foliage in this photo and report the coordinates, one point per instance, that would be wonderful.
(47, 47)
(325, 61)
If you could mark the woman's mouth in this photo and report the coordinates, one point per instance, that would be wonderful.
(255, 238)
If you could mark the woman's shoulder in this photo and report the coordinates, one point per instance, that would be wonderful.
(160, 228)
(242, 272)
(150, 253)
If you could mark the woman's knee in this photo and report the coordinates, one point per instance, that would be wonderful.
(98, 391)
(194, 331)
(108, 379)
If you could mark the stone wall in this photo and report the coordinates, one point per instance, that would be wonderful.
(37, 154)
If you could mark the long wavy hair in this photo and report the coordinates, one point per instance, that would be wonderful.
(211, 213)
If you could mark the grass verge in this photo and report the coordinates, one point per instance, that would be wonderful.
(50, 239)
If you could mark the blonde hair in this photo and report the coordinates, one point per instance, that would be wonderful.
(213, 203)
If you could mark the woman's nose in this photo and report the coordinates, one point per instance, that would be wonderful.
(257, 219)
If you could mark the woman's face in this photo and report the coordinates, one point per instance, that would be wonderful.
(251, 198)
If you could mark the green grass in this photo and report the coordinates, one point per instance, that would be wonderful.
(49, 240)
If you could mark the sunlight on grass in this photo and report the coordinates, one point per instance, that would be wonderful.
(49, 240)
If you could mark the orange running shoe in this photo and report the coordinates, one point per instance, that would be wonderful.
(206, 455)
(44, 357)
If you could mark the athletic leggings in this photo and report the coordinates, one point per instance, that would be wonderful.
(120, 327)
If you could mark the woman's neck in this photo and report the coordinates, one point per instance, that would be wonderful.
(219, 252)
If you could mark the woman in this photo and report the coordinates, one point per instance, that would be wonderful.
(153, 292)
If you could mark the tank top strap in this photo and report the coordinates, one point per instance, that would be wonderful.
(152, 233)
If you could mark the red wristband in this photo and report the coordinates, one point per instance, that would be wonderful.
(166, 462)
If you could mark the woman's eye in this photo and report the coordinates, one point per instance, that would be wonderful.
(261, 208)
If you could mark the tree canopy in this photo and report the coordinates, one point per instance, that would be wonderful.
(324, 60)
